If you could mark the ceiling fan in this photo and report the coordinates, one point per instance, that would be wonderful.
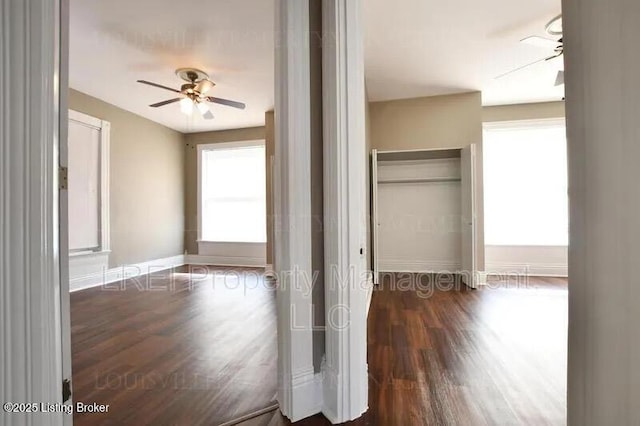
(193, 93)
(553, 29)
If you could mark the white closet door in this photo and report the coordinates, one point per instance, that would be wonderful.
(374, 216)
(469, 216)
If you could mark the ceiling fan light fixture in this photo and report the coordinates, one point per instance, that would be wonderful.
(193, 92)
(202, 107)
(186, 106)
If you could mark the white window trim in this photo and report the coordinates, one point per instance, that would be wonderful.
(539, 260)
(216, 146)
(104, 247)
(524, 124)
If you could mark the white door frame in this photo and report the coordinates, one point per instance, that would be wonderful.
(65, 275)
(30, 116)
(299, 387)
(340, 390)
(374, 216)
(36, 346)
(469, 216)
(345, 215)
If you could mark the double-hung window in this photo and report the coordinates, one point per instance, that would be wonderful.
(232, 199)
(525, 183)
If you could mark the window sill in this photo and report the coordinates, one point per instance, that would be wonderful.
(230, 242)
(89, 253)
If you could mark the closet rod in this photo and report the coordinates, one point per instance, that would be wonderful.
(422, 180)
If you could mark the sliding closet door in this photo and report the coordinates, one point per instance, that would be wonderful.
(374, 216)
(469, 216)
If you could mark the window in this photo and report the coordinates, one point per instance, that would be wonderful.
(525, 184)
(88, 184)
(233, 192)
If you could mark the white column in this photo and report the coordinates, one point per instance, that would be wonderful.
(603, 126)
(345, 369)
(30, 317)
(299, 388)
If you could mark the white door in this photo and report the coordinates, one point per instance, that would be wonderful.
(469, 217)
(374, 216)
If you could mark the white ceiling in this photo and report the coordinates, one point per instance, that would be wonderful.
(413, 48)
(113, 43)
(426, 47)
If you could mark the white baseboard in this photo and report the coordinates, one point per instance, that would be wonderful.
(532, 270)
(394, 265)
(108, 276)
(481, 278)
(230, 254)
(242, 261)
(370, 287)
(307, 395)
(332, 407)
(89, 263)
(545, 261)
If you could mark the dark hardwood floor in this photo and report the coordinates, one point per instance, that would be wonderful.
(493, 356)
(437, 356)
(177, 349)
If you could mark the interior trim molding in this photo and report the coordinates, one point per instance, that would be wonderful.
(307, 393)
(210, 147)
(87, 264)
(292, 205)
(230, 254)
(551, 261)
(30, 286)
(125, 272)
(527, 269)
(429, 266)
(105, 152)
(370, 290)
(345, 387)
(252, 415)
(214, 260)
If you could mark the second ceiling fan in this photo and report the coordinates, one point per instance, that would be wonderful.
(193, 93)
(554, 29)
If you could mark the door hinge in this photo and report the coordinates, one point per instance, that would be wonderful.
(63, 177)
(66, 390)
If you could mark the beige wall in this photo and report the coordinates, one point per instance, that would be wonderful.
(523, 111)
(191, 174)
(423, 123)
(146, 183)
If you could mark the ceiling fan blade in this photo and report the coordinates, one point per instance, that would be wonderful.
(523, 67)
(167, 102)
(207, 115)
(158, 85)
(541, 42)
(204, 86)
(226, 102)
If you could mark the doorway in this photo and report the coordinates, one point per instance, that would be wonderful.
(172, 317)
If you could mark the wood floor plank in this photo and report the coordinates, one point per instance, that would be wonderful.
(177, 349)
(201, 352)
(492, 356)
